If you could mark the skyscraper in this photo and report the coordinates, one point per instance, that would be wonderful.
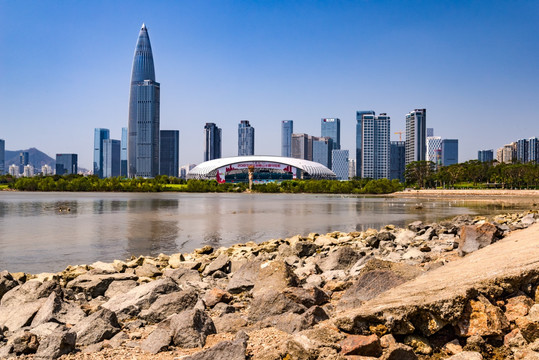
(416, 125)
(322, 148)
(450, 152)
(522, 150)
(24, 159)
(246, 138)
(533, 150)
(430, 132)
(212, 145)
(143, 126)
(66, 164)
(301, 147)
(100, 135)
(169, 157)
(2, 157)
(123, 153)
(396, 163)
(485, 155)
(111, 158)
(434, 147)
(287, 128)
(331, 127)
(373, 145)
(339, 164)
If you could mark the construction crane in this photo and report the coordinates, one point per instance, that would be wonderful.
(400, 134)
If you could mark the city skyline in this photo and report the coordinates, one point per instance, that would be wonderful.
(470, 63)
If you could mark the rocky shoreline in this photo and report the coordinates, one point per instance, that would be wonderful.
(376, 294)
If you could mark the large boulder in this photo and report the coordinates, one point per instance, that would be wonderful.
(361, 345)
(244, 278)
(54, 309)
(95, 285)
(262, 276)
(101, 325)
(182, 275)
(473, 237)
(28, 292)
(341, 259)
(225, 350)
(221, 263)
(141, 297)
(190, 328)
(368, 286)
(61, 341)
(6, 282)
(159, 340)
(16, 316)
(271, 303)
(170, 304)
(482, 318)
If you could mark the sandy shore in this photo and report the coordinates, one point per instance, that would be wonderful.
(490, 195)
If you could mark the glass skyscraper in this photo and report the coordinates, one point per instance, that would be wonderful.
(416, 131)
(397, 160)
(66, 164)
(2, 157)
(169, 157)
(212, 144)
(287, 128)
(533, 150)
(123, 153)
(373, 145)
(111, 158)
(485, 155)
(100, 135)
(450, 152)
(322, 148)
(339, 163)
(434, 148)
(359, 138)
(331, 127)
(143, 126)
(246, 138)
(24, 159)
(301, 146)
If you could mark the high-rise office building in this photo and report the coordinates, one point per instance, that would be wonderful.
(450, 152)
(485, 155)
(2, 157)
(66, 164)
(522, 150)
(507, 154)
(416, 146)
(301, 146)
(430, 132)
(123, 153)
(322, 147)
(533, 150)
(373, 145)
(143, 126)
(111, 158)
(100, 135)
(169, 157)
(397, 160)
(287, 128)
(246, 138)
(24, 159)
(331, 127)
(339, 162)
(351, 168)
(434, 148)
(212, 145)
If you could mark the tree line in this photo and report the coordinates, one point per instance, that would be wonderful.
(473, 174)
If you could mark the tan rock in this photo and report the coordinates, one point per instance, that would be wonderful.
(420, 344)
(517, 306)
(482, 318)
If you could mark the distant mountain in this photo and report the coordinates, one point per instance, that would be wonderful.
(36, 158)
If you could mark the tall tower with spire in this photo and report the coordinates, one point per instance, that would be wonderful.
(143, 125)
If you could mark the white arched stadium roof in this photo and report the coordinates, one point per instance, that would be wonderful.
(208, 169)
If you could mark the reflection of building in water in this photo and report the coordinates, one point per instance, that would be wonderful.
(150, 231)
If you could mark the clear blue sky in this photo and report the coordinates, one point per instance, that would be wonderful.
(65, 68)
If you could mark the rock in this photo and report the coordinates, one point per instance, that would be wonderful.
(517, 306)
(46, 329)
(169, 304)
(244, 278)
(225, 350)
(473, 237)
(466, 355)
(141, 297)
(428, 323)
(223, 308)
(361, 345)
(56, 310)
(99, 326)
(307, 296)
(341, 259)
(96, 285)
(60, 342)
(514, 339)
(304, 248)
(16, 316)
(104, 267)
(399, 352)
(119, 287)
(215, 296)
(182, 276)
(416, 226)
(420, 344)
(221, 263)
(24, 343)
(292, 322)
(452, 347)
(6, 282)
(528, 327)
(481, 318)
(387, 341)
(205, 250)
(28, 292)
(405, 238)
(230, 323)
(147, 270)
(368, 286)
(190, 328)
(159, 340)
(94, 348)
(527, 220)
(275, 275)
(272, 303)
(175, 260)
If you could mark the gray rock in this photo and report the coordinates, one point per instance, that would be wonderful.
(405, 238)
(118, 339)
(244, 279)
(182, 275)
(169, 304)
(16, 316)
(6, 282)
(99, 326)
(527, 220)
(225, 350)
(141, 297)
(223, 308)
(190, 328)
(221, 263)
(399, 352)
(307, 296)
(159, 340)
(341, 259)
(96, 285)
(147, 270)
(416, 226)
(473, 237)
(466, 355)
(230, 323)
(60, 342)
(304, 248)
(272, 303)
(46, 329)
(24, 343)
(118, 287)
(56, 310)
(28, 292)
(291, 322)
(368, 286)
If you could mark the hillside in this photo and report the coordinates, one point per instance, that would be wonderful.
(37, 158)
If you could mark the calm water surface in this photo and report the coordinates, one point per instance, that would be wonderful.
(37, 234)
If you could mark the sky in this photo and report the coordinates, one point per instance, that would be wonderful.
(65, 69)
